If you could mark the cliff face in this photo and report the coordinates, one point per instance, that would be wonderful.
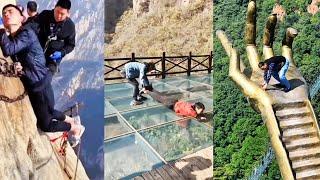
(143, 6)
(26, 152)
(113, 11)
(172, 26)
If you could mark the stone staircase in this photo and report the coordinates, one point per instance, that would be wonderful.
(300, 137)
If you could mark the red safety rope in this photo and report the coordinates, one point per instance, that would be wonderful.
(63, 143)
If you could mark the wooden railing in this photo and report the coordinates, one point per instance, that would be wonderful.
(167, 64)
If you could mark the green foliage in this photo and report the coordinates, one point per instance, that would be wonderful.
(272, 172)
(240, 138)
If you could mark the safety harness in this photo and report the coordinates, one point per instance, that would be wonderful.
(53, 36)
(62, 151)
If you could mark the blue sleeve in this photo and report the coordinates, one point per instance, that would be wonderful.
(267, 75)
(19, 43)
(143, 76)
(34, 25)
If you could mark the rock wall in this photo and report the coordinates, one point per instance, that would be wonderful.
(113, 11)
(143, 6)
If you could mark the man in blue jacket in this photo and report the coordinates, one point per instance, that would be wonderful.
(22, 46)
(276, 66)
(56, 33)
(135, 70)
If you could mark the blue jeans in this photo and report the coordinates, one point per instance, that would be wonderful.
(281, 75)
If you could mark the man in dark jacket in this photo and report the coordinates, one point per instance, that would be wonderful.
(22, 46)
(277, 67)
(133, 70)
(56, 33)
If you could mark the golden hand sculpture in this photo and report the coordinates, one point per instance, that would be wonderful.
(281, 111)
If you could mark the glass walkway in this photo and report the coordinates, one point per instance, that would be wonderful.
(144, 137)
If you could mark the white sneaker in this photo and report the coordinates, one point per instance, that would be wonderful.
(135, 103)
(77, 120)
(74, 140)
(141, 98)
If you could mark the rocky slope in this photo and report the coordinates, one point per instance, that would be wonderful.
(151, 27)
(113, 11)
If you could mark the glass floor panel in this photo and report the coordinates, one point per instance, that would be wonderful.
(114, 87)
(184, 84)
(122, 92)
(108, 108)
(178, 139)
(200, 88)
(122, 155)
(123, 104)
(129, 154)
(115, 126)
(161, 87)
(206, 79)
(149, 117)
(169, 79)
(208, 93)
(178, 94)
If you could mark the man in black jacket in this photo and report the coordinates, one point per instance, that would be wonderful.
(56, 33)
(22, 46)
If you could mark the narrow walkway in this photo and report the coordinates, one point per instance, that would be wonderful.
(194, 166)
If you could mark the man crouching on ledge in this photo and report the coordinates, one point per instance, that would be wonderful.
(22, 45)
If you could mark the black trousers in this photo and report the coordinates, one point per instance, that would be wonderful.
(163, 99)
(135, 85)
(43, 106)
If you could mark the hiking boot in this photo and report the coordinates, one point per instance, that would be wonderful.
(135, 103)
(141, 98)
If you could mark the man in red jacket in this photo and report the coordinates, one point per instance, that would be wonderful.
(181, 108)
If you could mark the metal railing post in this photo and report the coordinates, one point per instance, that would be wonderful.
(163, 65)
(189, 64)
(210, 62)
(133, 59)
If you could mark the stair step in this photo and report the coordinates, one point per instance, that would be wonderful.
(306, 153)
(302, 143)
(295, 133)
(313, 173)
(306, 164)
(296, 104)
(296, 122)
(293, 112)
